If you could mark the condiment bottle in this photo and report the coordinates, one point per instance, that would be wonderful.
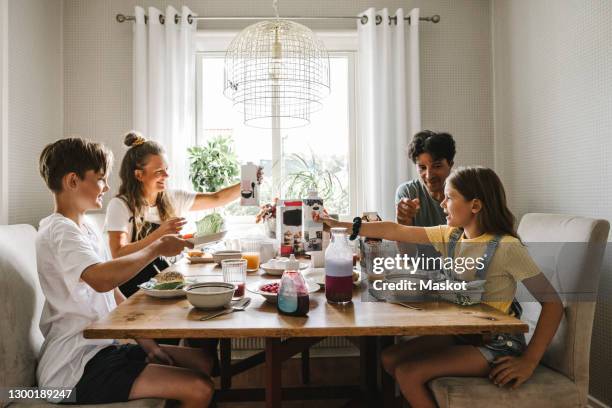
(293, 299)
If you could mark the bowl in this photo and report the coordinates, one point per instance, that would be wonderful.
(210, 295)
(273, 297)
(227, 254)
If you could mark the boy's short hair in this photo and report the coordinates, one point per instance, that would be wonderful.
(438, 145)
(72, 155)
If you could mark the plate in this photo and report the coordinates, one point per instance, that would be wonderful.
(271, 297)
(162, 294)
(317, 275)
(206, 239)
(165, 294)
(279, 271)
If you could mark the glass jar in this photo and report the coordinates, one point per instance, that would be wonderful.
(339, 268)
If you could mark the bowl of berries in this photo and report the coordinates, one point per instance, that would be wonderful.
(269, 288)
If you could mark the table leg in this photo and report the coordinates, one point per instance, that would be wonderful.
(387, 382)
(367, 366)
(273, 373)
(306, 367)
(226, 363)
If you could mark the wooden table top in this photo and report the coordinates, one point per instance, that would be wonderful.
(142, 316)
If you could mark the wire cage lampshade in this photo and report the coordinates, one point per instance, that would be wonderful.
(276, 74)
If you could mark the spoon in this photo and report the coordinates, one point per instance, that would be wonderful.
(238, 307)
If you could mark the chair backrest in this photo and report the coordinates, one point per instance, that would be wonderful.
(569, 250)
(21, 302)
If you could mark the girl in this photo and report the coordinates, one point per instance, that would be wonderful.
(145, 210)
(478, 223)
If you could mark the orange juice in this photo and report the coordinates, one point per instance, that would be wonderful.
(252, 259)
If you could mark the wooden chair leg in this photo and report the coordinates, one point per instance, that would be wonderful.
(226, 363)
(306, 367)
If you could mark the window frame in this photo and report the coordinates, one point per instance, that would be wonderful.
(338, 43)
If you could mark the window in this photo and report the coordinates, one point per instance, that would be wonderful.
(321, 153)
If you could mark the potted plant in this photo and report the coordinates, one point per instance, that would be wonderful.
(213, 165)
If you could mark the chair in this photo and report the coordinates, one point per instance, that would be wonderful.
(21, 302)
(562, 378)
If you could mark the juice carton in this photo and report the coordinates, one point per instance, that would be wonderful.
(249, 188)
(312, 231)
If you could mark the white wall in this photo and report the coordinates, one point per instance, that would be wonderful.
(553, 125)
(456, 63)
(35, 110)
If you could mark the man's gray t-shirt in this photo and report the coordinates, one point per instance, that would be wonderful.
(430, 212)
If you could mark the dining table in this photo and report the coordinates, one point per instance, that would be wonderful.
(371, 324)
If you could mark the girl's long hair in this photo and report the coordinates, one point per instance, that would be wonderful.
(131, 189)
(482, 183)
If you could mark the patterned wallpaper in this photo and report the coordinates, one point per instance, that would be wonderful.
(35, 102)
(553, 125)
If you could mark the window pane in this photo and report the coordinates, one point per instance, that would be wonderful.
(316, 155)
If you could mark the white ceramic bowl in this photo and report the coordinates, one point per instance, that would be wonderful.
(223, 255)
(210, 295)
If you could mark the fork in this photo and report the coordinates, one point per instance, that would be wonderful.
(238, 307)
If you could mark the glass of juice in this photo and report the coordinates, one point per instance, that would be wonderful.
(251, 252)
(234, 272)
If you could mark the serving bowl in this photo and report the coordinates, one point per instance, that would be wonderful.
(210, 295)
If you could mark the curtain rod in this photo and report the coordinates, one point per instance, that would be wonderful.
(364, 19)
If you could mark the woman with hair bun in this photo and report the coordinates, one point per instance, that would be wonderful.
(145, 209)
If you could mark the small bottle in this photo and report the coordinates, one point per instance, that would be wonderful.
(293, 299)
(339, 268)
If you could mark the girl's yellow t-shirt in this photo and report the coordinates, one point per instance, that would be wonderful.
(510, 264)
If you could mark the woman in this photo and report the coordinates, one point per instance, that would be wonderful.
(145, 210)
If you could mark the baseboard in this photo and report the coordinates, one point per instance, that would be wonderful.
(595, 403)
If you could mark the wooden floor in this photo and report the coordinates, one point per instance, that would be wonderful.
(323, 371)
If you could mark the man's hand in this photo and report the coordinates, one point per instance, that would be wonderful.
(509, 368)
(406, 210)
(172, 245)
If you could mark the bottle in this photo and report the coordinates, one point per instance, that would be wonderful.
(312, 231)
(339, 268)
(293, 299)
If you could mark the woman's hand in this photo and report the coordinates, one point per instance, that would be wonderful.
(171, 226)
(509, 368)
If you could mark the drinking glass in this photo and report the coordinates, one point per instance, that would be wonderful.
(250, 252)
(234, 272)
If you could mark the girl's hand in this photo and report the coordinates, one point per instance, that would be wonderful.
(509, 368)
(260, 174)
(323, 217)
(159, 356)
(171, 226)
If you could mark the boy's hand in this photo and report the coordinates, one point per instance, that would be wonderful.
(172, 245)
(159, 356)
(406, 210)
(509, 368)
(171, 226)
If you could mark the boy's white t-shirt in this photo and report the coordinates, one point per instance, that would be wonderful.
(118, 215)
(63, 251)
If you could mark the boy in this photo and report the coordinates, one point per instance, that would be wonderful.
(80, 284)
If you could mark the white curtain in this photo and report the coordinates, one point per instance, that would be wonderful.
(389, 101)
(163, 103)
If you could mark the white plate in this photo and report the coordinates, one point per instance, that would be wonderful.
(206, 239)
(279, 271)
(318, 275)
(271, 297)
(163, 294)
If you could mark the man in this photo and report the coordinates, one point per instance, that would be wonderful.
(418, 201)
